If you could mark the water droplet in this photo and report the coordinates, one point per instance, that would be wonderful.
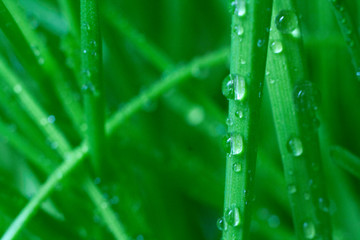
(51, 119)
(237, 144)
(276, 47)
(229, 122)
(292, 189)
(228, 87)
(307, 196)
(17, 88)
(242, 61)
(307, 97)
(36, 50)
(309, 230)
(260, 42)
(237, 167)
(195, 116)
(240, 88)
(239, 30)
(294, 146)
(227, 143)
(286, 21)
(239, 114)
(43, 121)
(241, 10)
(85, 51)
(221, 224)
(232, 216)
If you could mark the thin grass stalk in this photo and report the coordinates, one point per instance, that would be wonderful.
(293, 102)
(346, 160)
(243, 89)
(349, 31)
(44, 58)
(93, 86)
(75, 157)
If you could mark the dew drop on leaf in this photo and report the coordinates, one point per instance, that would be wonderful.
(286, 21)
(237, 167)
(221, 224)
(276, 47)
(232, 216)
(292, 189)
(294, 146)
(237, 144)
(309, 230)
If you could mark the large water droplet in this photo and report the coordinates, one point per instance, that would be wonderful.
(276, 47)
(221, 224)
(286, 21)
(309, 230)
(232, 216)
(241, 10)
(51, 119)
(294, 146)
(239, 114)
(239, 88)
(234, 87)
(237, 144)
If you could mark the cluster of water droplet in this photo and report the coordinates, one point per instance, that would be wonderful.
(231, 218)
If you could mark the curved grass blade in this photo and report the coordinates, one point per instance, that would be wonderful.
(293, 102)
(243, 89)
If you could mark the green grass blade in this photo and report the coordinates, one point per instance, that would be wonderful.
(175, 77)
(73, 158)
(249, 37)
(68, 8)
(32, 108)
(349, 32)
(346, 160)
(44, 58)
(91, 70)
(292, 102)
(26, 213)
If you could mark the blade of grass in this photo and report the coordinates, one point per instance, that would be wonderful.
(74, 158)
(292, 101)
(44, 58)
(68, 8)
(91, 65)
(249, 37)
(349, 32)
(346, 160)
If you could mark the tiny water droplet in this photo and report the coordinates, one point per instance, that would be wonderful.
(51, 119)
(242, 61)
(292, 189)
(309, 230)
(239, 30)
(221, 224)
(260, 42)
(232, 216)
(294, 146)
(85, 51)
(276, 47)
(286, 21)
(237, 167)
(41, 60)
(239, 114)
(227, 143)
(229, 122)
